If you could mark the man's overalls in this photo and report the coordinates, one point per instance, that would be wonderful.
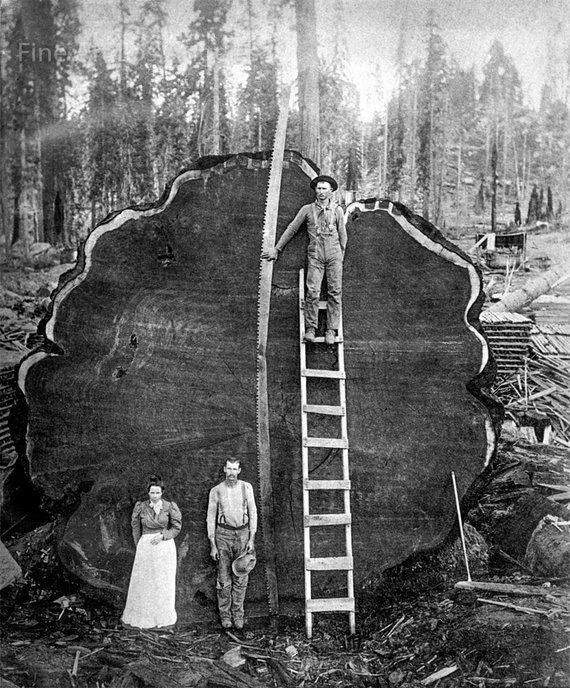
(324, 255)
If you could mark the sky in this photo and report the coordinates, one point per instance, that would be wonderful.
(532, 32)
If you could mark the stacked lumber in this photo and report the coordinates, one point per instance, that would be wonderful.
(552, 340)
(509, 337)
(12, 349)
(7, 394)
(533, 368)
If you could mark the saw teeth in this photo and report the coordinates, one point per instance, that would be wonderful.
(263, 302)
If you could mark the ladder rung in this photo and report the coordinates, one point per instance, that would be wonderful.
(324, 409)
(330, 604)
(331, 442)
(327, 520)
(329, 564)
(315, 372)
(322, 305)
(318, 340)
(327, 484)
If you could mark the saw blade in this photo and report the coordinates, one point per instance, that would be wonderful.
(263, 305)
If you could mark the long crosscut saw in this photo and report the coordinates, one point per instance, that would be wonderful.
(263, 306)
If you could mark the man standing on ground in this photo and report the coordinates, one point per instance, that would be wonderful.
(232, 524)
(324, 220)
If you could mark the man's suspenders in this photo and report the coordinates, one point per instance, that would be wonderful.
(331, 226)
(221, 516)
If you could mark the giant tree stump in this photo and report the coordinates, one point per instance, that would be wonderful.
(152, 367)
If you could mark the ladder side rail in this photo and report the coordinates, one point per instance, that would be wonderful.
(346, 472)
(305, 453)
(342, 401)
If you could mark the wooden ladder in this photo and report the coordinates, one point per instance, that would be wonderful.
(343, 519)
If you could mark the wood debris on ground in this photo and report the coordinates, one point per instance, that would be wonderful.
(541, 387)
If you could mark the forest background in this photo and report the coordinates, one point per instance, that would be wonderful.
(95, 121)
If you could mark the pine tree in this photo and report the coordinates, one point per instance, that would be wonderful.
(104, 155)
(172, 135)
(500, 100)
(148, 69)
(549, 205)
(341, 143)
(396, 127)
(257, 103)
(207, 39)
(62, 144)
(432, 112)
(533, 207)
(308, 79)
(7, 132)
(463, 116)
(480, 198)
(341, 129)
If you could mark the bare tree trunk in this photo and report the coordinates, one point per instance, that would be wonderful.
(124, 10)
(413, 160)
(458, 183)
(30, 204)
(517, 175)
(493, 186)
(429, 201)
(505, 150)
(6, 153)
(385, 191)
(308, 77)
(487, 147)
(216, 103)
(438, 196)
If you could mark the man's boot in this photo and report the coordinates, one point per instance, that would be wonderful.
(310, 334)
(329, 337)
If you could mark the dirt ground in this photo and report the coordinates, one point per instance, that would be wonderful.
(413, 624)
(415, 628)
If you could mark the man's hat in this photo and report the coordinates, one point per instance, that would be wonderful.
(244, 563)
(324, 178)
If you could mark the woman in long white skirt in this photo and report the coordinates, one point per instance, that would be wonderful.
(152, 588)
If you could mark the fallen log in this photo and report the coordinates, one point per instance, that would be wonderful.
(548, 550)
(512, 529)
(152, 367)
(511, 589)
(515, 300)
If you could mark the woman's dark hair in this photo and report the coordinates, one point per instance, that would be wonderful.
(155, 480)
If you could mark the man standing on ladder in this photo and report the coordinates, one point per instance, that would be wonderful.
(324, 220)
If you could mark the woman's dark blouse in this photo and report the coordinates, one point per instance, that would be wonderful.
(144, 520)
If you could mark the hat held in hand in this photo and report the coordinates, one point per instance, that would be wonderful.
(244, 563)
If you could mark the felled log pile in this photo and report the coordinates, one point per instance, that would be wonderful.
(522, 512)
